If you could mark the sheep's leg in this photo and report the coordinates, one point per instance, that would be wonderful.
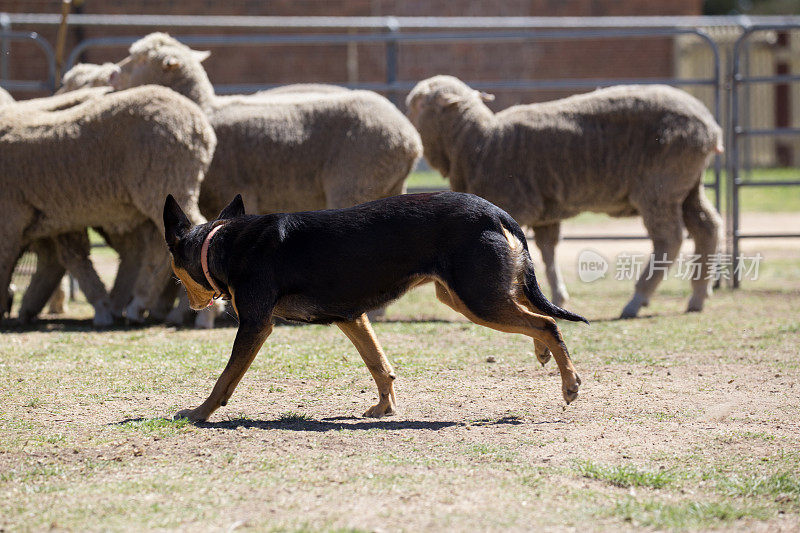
(665, 228)
(363, 338)
(703, 223)
(154, 274)
(177, 316)
(205, 318)
(547, 238)
(73, 252)
(129, 247)
(165, 303)
(56, 305)
(9, 253)
(44, 281)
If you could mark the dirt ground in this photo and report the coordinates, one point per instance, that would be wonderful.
(685, 422)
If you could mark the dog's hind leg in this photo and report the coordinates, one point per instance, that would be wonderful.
(510, 316)
(73, 252)
(360, 333)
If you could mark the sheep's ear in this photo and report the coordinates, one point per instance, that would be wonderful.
(234, 209)
(486, 97)
(176, 224)
(201, 55)
(447, 99)
(170, 63)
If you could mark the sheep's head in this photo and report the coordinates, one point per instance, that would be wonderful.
(434, 105)
(87, 75)
(157, 59)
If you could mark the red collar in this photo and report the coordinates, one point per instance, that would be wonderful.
(204, 263)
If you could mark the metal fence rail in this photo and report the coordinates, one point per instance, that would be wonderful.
(7, 36)
(397, 23)
(740, 132)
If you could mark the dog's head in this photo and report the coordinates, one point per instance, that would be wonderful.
(185, 244)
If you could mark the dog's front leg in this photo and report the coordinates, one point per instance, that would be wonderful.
(249, 338)
(360, 333)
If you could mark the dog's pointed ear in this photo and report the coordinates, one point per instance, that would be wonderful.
(176, 224)
(234, 209)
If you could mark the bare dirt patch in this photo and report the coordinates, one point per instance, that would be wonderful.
(684, 422)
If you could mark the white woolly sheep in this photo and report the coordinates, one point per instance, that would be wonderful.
(53, 257)
(5, 98)
(113, 160)
(70, 251)
(67, 251)
(288, 151)
(624, 151)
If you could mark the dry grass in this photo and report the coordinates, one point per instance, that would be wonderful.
(684, 422)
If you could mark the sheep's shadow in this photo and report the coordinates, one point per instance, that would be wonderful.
(643, 316)
(339, 423)
(69, 325)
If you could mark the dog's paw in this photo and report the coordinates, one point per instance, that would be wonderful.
(191, 415)
(380, 410)
(570, 390)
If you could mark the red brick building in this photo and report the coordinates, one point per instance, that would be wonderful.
(365, 63)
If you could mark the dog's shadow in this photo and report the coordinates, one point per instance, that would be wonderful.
(330, 424)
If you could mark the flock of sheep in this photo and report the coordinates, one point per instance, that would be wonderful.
(107, 149)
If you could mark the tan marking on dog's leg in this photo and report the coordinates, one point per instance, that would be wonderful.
(514, 318)
(363, 338)
(248, 341)
(539, 348)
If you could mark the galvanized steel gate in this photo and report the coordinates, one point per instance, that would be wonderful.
(740, 131)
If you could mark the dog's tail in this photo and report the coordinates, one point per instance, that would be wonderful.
(531, 286)
(534, 294)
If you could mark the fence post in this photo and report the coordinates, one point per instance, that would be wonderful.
(393, 26)
(5, 26)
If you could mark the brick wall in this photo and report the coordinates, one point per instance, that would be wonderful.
(610, 58)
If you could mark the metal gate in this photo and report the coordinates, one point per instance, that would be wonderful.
(740, 132)
(6, 37)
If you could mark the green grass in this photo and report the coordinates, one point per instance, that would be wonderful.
(687, 514)
(291, 417)
(427, 179)
(777, 485)
(159, 426)
(625, 475)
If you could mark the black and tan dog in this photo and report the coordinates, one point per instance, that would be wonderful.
(333, 266)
